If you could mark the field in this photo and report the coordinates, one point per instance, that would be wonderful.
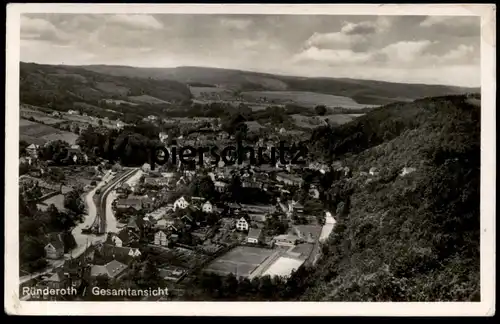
(316, 121)
(37, 133)
(147, 100)
(203, 92)
(303, 98)
(241, 261)
(254, 126)
(283, 267)
(39, 116)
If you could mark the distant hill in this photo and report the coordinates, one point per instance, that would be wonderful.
(59, 85)
(362, 91)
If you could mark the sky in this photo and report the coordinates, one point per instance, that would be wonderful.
(410, 49)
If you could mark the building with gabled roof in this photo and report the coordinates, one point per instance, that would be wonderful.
(112, 269)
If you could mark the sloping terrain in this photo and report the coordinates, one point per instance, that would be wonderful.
(361, 91)
(46, 85)
(402, 236)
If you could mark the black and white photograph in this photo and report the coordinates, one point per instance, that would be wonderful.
(206, 153)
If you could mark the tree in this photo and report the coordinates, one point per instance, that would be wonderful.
(73, 202)
(203, 187)
(320, 110)
(236, 189)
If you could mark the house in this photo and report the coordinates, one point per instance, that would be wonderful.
(295, 206)
(134, 203)
(120, 124)
(156, 181)
(207, 207)
(181, 203)
(161, 238)
(124, 189)
(234, 208)
(147, 203)
(116, 241)
(127, 235)
(163, 136)
(55, 247)
(32, 150)
(289, 179)
(220, 186)
(123, 253)
(146, 167)
(134, 225)
(187, 219)
(286, 240)
(112, 270)
(58, 280)
(373, 171)
(134, 253)
(314, 193)
(242, 224)
(255, 236)
(74, 149)
(407, 170)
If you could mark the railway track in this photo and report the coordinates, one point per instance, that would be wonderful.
(99, 224)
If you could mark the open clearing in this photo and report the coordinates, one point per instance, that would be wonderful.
(317, 121)
(303, 98)
(283, 267)
(241, 261)
(40, 134)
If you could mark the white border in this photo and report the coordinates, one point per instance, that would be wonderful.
(488, 171)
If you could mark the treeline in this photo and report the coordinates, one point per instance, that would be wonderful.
(131, 146)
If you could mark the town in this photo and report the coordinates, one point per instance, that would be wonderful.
(245, 220)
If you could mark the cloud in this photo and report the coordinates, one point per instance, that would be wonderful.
(404, 54)
(459, 26)
(35, 25)
(355, 36)
(332, 57)
(42, 30)
(232, 23)
(405, 51)
(362, 28)
(337, 40)
(137, 21)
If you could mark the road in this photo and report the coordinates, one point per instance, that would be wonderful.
(83, 240)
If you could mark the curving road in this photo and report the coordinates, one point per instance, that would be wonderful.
(107, 184)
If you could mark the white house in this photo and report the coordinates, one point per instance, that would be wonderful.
(181, 203)
(163, 136)
(146, 167)
(242, 224)
(161, 238)
(207, 207)
(117, 241)
(134, 253)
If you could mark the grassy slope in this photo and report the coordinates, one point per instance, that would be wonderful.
(412, 238)
(43, 83)
(362, 91)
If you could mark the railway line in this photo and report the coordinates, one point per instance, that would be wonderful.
(99, 224)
